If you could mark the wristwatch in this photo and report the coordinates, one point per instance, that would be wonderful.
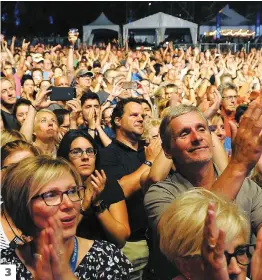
(147, 162)
(100, 207)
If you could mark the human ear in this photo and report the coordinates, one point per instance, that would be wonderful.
(117, 121)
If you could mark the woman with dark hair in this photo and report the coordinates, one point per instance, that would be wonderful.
(21, 109)
(12, 152)
(108, 213)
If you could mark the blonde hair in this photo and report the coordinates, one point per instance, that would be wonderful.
(149, 124)
(181, 225)
(43, 111)
(24, 180)
(162, 105)
(11, 135)
(216, 118)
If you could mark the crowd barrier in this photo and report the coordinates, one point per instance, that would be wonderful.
(221, 47)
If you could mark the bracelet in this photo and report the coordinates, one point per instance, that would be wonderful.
(34, 107)
(91, 129)
(191, 88)
(109, 101)
(71, 47)
(206, 79)
(148, 163)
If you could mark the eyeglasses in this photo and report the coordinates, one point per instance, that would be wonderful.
(54, 198)
(230, 97)
(243, 254)
(77, 152)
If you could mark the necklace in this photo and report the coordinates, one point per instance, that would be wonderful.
(16, 241)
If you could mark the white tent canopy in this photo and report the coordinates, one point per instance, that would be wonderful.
(102, 22)
(160, 22)
(230, 19)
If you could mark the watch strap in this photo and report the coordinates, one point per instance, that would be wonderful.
(149, 163)
(100, 207)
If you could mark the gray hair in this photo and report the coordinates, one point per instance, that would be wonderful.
(226, 86)
(174, 112)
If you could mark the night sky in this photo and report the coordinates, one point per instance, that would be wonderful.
(34, 16)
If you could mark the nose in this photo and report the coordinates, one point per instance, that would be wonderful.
(66, 202)
(234, 267)
(50, 123)
(84, 156)
(195, 136)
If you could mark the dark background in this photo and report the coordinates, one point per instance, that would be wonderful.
(34, 16)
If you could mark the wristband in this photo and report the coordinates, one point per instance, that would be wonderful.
(148, 163)
(100, 208)
(34, 107)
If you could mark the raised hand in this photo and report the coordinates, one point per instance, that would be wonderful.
(153, 149)
(212, 250)
(41, 100)
(25, 45)
(256, 263)
(247, 141)
(75, 106)
(94, 188)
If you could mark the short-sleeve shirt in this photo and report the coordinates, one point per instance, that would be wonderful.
(162, 194)
(118, 160)
(90, 227)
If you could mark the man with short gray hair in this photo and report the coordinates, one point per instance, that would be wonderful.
(186, 140)
(229, 95)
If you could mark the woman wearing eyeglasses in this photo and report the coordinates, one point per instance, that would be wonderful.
(107, 218)
(206, 238)
(43, 198)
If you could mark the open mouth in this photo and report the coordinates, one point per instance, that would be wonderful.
(68, 221)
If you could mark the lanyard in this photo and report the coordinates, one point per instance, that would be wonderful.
(73, 259)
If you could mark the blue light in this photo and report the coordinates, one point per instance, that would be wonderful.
(51, 21)
(17, 22)
(4, 16)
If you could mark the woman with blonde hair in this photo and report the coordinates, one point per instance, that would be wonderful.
(194, 232)
(8, 135)
(43, 198)
(151, 130)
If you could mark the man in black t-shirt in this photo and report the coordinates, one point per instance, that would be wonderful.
(8, 100)
(126, 160)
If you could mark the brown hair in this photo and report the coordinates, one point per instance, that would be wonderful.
(15, 146)
(8, 135)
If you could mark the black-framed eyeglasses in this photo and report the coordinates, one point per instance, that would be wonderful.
(54, 198)
(242, 254)
(78, 152)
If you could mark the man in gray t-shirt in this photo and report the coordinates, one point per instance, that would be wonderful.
(187, 141)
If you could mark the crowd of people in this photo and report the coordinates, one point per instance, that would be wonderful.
(152, 171)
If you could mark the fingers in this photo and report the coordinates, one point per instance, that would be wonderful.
(220, 245)
(233, 129)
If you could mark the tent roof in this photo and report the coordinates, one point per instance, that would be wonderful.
(160, 20)
(101, 20)
(229, 17)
